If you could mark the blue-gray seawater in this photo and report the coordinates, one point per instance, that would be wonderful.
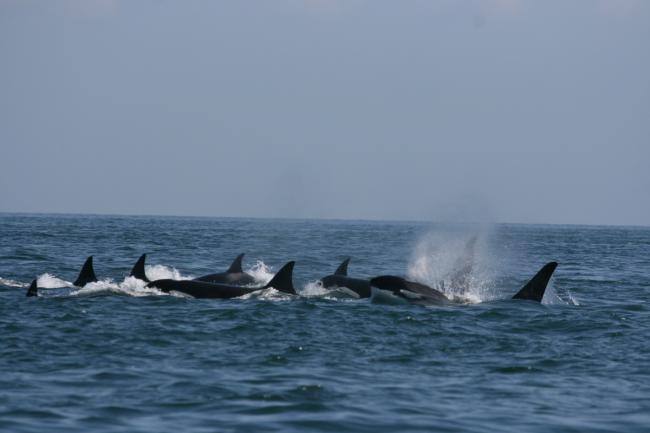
(116, 357)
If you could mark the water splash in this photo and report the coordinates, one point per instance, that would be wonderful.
(314, 289)
(11, 283)
(572, 299)
(552, 297)
(269, 294)
(261, 272)
(456, 263)
(162, 272)
(129, 287)
(49, 281)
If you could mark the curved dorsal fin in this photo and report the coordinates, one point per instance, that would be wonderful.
(283, 280)
(342, 270)
(535, 288)
(87, 274)
(138, 269)
(33, 289)
(235, 267)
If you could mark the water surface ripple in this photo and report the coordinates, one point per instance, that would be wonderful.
(109, 361)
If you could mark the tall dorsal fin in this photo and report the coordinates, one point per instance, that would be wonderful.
(235, 267)
(138, 269)
(33, 289)
(87, 274)
(535, 288)
(283, 280)
(342, 270)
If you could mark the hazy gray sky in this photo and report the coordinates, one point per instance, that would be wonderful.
(507, 110)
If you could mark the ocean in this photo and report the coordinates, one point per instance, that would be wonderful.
(115, 356)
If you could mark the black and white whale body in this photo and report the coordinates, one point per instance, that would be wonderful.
(422, 294)
(235, 275)
(282, 281)
(340, 279)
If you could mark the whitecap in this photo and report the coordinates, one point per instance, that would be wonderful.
(162, 272)
(11, 283)
(261, 272)
(49, 281)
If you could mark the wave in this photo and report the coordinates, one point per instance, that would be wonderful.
(129, 287)
(49, 281)
(314, 289)
(11, 283)
(162, 272)
(132, 286)
(269, 294)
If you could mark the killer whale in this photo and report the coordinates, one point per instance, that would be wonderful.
(460, 278)
(410, 291)
(32, 290)
(419, 293)
(87, 274)
(340, 279)
(138, 270)
(535, 288)
(235, 275)
(282, 281)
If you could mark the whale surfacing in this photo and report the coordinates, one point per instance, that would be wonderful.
(87, 274)
(340, 279)
(419, 293)
(282, 281)
(235, 275)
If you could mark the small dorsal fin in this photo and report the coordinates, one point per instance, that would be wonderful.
(342, 270)
(283, 280)
(535, 288)
(235, 267)
(138, 269)
(87, 274)
(33, 289)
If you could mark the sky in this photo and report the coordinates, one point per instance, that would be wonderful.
(496, 110)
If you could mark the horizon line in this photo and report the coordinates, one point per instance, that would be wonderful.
(374, 220)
